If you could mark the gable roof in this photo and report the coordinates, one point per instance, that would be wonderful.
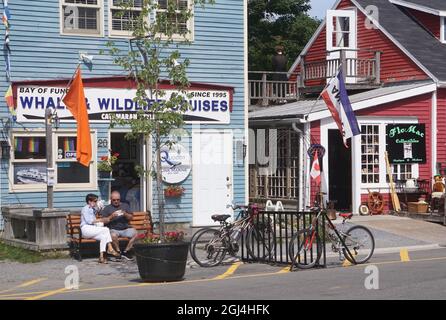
(316, 110)
(418, 44)
(424, 47)
(437, 5)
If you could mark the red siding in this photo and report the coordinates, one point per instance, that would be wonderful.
(429, 21)
(441, 126)
(419, 107)
(395, 65)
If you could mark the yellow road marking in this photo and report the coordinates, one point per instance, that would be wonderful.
(25, 284)
(404, 254)
(47, 294)
(63, 291)
(285, 270)
(229, 272)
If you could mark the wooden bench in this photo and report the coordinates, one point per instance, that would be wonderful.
(141, 221)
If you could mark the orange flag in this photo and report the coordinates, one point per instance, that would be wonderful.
(75, 102)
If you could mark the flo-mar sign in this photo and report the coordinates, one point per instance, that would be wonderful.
(207, 106)
(406, 143)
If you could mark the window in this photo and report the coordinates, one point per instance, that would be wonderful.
(29, 169)
(123, 18)
(341, 29)
(373, 165)
(370, 154)
(82, 17)
(68, 169)
(29, 161)
(180, 24)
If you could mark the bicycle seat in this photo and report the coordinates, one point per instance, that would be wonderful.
(346, 215)
(220, 217)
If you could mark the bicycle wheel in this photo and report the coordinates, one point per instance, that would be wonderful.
(305, 249)
(193, 239)
(208, 248)
(361, 243)
(260, 242)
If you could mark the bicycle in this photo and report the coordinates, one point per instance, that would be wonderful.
(209, 246)
(357, 244)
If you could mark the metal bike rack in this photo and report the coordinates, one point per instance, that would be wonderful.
(284, 225)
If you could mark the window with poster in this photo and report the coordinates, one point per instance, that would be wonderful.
(374, 141)
(28, 170)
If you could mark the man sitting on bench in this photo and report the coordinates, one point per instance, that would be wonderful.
(119, 226)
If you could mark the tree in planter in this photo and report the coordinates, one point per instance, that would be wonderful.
(155, 54)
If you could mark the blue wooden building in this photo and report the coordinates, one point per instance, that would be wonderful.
(44, 52)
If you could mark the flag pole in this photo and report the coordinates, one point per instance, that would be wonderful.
(69, 82)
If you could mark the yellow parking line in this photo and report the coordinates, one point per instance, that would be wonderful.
(25, 284)
(230, 271)
(47, 294)
(285, 270)
(404, 254)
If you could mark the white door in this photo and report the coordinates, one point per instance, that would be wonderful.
(341, 35)
(211, 175)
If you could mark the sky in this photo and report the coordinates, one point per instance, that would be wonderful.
(319, 7)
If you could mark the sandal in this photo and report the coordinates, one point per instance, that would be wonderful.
(103, 260)
(113, 253)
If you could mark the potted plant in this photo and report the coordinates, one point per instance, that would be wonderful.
(154, 52)
(162, 260)
(105, 165)
(174, 191)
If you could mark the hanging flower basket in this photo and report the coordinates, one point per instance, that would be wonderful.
(174, 191)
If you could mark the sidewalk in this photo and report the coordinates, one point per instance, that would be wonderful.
(416, 230)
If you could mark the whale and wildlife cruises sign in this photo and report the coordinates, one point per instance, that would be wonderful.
(406, 143)
(207, 106)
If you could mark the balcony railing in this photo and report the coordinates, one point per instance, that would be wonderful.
(360, 67)
(264, 90)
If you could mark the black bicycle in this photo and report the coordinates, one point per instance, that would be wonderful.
(356, 244)
(209, 245)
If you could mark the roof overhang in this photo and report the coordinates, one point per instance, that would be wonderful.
(419, 7)
(372, 98)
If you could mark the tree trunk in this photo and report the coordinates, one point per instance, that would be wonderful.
(159, 182)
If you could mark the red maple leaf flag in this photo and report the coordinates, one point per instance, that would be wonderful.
(315, 172)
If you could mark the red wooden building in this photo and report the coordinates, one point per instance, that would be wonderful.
(393, 55)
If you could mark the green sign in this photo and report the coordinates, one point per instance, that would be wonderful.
(406, 143)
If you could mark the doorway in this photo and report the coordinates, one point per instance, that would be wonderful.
(339, 171)
(125, 176)
(212, 175)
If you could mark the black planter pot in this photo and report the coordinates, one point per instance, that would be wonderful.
(104, 174)
(161, 261)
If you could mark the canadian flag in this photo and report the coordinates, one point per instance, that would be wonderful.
(315, 172)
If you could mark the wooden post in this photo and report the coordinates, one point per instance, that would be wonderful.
(378, 67)
(49, 154)
(302, 72)
(343, 64)
(264, 89)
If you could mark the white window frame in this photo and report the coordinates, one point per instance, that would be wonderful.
(383, 184)
(92, 185)
(351, 15)
(81, 32)
(443, 29)
(118, 33)
(189, 25)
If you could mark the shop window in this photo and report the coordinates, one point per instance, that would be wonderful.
(81, 17)
(68, 169)
(180, 25)
(123, 18)
(29, 168)
(29, 161)
(370, 166)
(373, 166)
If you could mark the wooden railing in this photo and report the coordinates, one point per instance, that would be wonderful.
(363, 68)
(264, 90)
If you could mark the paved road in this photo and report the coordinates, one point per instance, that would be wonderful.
(402, 275)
